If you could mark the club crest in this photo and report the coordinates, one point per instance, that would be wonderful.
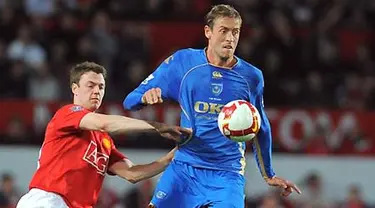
(216, 88)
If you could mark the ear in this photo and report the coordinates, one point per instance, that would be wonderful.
(207, 32)
(74, 88)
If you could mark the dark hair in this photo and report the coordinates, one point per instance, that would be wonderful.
(6, 177)
(79, 69)
(221, 10)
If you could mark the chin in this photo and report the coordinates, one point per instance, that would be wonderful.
(225, 57)
(94, 106)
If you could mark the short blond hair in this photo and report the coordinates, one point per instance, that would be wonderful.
(221, 10)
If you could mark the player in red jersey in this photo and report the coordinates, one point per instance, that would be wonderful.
(77, 151)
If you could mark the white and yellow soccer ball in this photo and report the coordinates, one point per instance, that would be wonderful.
(239, 121)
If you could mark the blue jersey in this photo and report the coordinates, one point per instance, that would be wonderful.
(202, 89)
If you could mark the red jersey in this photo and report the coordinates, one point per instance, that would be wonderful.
(73, 162)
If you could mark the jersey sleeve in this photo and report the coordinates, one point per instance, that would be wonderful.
(67, 119)
(262, 144)
(165, 77)
(114, 157)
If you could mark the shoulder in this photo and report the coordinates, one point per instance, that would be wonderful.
(186, 52)
(187, 59)
(70, 109)
(191, 56)
(250, 71)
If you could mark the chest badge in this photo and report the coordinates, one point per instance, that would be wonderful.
(216, 88)
(106, 143)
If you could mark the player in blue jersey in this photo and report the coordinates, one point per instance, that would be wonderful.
(208, 168)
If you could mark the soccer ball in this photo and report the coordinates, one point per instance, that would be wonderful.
(239, 121)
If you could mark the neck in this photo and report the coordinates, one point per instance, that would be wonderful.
(217, 61)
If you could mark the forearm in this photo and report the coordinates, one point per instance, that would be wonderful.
(263, 160)
(262, 146)
(138, 173)
(133, 101)
(142, 172)
(116, 124)
(119, 125)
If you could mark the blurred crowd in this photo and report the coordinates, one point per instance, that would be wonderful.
(139, 196)
(313, 53)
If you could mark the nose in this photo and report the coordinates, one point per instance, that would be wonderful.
(96, 89)
(229, 37)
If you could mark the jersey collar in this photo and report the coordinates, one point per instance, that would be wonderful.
(230, 68)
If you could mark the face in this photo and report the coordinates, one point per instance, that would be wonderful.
(8, 185)
(90, 90)
(223, 37)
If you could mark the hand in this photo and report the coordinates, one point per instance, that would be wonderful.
(176, 133)
(287, 186)
(170, 154)
(166, 159)
(152, 96)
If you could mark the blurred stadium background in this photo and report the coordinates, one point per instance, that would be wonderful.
(317, 57)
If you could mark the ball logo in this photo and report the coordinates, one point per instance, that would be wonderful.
(228, 111)
(226, 130)
(255, 126)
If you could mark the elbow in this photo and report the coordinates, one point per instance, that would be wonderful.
(125, 103)
(132, 102)
(131, 175)
(133, 178)
(128, 103)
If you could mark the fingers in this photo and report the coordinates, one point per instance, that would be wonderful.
(170, 154)
(284, 186)
(175, 133)
(287, 186)
(158, 95)
(286, 192)
(290, 188)
(294, 187)
(172, 133)
(152, 96)
(184, 131)
(171, 137)
(174, 149)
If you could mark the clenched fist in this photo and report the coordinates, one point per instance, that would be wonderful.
(152, 96)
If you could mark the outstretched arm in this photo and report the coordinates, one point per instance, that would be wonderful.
(135, 173)
(115, 124)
